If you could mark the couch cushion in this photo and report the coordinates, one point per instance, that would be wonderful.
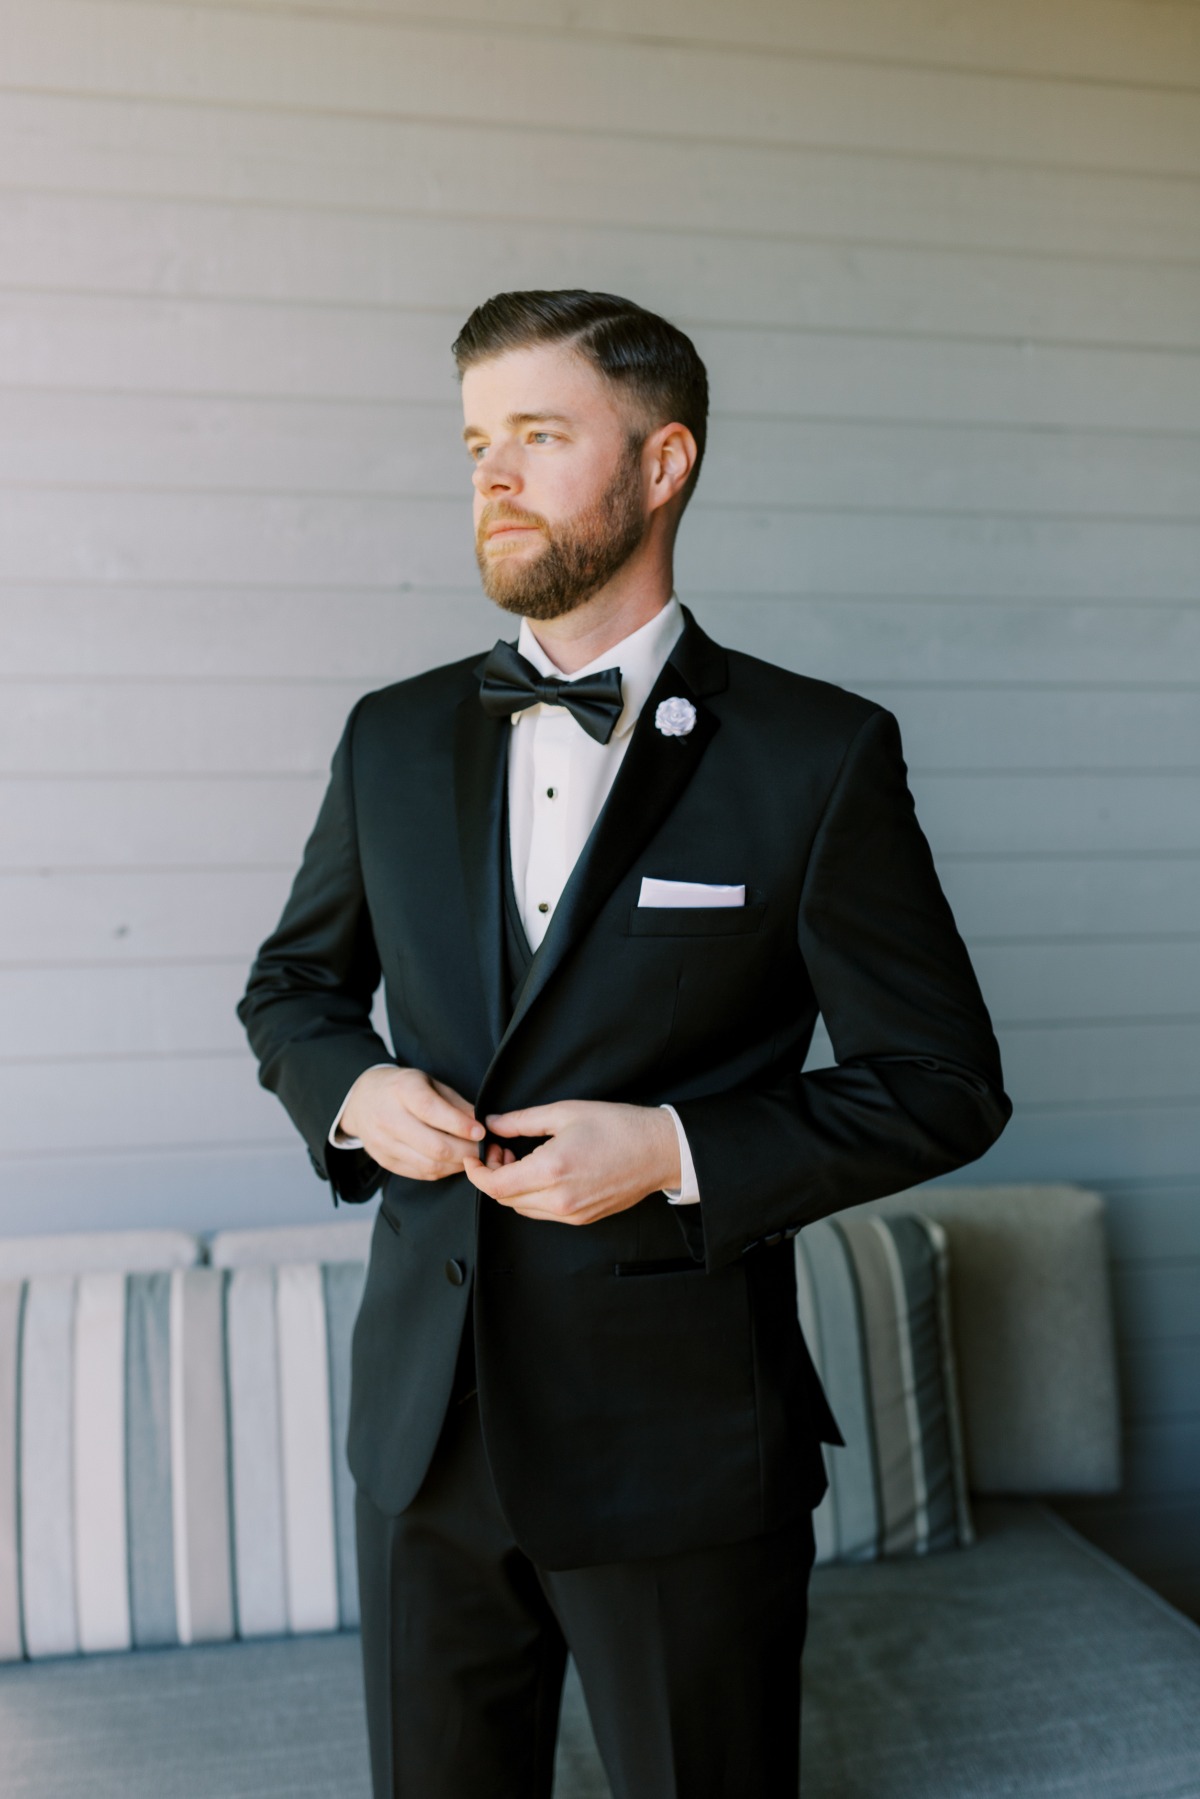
(1032, 1666)
(274, 1719)
(81, 1252)
(1033, 1330)
(172, 1464)
(873, 1301)
(336, 1240)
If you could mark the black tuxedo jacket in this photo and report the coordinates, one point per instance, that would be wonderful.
(644, 1385)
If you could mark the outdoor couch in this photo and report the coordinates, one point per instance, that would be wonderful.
(1025, 1663)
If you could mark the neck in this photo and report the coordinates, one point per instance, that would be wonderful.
(577, 637)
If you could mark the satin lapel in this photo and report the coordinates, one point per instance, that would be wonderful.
(480, 769)
(653, 774)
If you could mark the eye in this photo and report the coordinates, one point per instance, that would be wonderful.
(476, 451)
(548, 435)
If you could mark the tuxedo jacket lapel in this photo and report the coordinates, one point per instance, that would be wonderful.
(653, 774)
(480, 774)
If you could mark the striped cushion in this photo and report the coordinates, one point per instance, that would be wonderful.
(873, 1300)
(171, 1457)
(172, 1467)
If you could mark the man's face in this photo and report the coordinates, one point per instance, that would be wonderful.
(559, 498)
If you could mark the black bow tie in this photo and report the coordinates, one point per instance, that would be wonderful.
(511, 682)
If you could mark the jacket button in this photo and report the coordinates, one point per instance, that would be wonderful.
(456, 1272)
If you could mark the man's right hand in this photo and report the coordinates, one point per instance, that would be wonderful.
(410, 1123)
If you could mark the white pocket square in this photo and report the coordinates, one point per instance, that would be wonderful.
(688, 893)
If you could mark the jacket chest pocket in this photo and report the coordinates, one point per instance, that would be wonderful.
(695, 921)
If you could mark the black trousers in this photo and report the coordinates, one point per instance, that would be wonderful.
(690, 1663)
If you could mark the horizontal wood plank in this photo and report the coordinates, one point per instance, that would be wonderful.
(113, 536)
(158, 824)
(81, 631)
(1158, 1301)
(1061, 897)
(1090, 1145)
(1154, 1220)
(1098, 1065)
(1161, 1381)
(206, 1187)
(1015, 246)
(354, 64)
(62, 438)
(1119, 40)
(59, 920)
(134, 1106)
(255, 349)
(1050, 984)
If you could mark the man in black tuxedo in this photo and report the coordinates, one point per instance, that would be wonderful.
(609, 875)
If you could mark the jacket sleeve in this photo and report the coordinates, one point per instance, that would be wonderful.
(307, 1004)
(917, 1090)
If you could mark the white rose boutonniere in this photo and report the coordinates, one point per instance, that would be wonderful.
(675, 717)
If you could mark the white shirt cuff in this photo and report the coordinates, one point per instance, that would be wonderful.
(337, 1136)
(688, 1191)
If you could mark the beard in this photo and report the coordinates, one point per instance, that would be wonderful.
(580, 555)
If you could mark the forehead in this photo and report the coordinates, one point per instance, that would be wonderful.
(536, 383)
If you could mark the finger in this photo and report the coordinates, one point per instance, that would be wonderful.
(433, 1108)
(523, 1177)
(498, 1155)
(533, 1121)
(401, 1161)
(437, 1149)
(413, 1164)
(483, 1175)
(555, 1215)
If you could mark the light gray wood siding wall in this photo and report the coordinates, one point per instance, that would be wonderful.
(944, 264)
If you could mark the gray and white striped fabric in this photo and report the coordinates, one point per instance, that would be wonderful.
(172, 1465)
(874, 1305)
(171, 1457)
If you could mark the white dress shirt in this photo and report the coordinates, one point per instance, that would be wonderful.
(558, 781)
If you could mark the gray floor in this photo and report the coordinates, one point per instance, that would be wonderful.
(1026, 1666)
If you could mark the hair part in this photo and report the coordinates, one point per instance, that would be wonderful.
(645, 357)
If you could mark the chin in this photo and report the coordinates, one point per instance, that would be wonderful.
(523, 604)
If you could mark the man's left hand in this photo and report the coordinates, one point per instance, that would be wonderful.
(598, 1158)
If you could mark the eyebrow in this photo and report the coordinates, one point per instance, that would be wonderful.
(522, 418)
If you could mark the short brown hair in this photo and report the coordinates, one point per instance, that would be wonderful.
(644, 355)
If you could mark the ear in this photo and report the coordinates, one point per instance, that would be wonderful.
(671, 457)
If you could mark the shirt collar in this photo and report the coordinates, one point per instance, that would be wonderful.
(641, 658)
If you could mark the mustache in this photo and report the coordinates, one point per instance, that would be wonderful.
(496, 514)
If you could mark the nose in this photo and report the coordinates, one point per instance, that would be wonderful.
(493, 475)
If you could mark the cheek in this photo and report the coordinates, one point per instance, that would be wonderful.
(565, 490)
